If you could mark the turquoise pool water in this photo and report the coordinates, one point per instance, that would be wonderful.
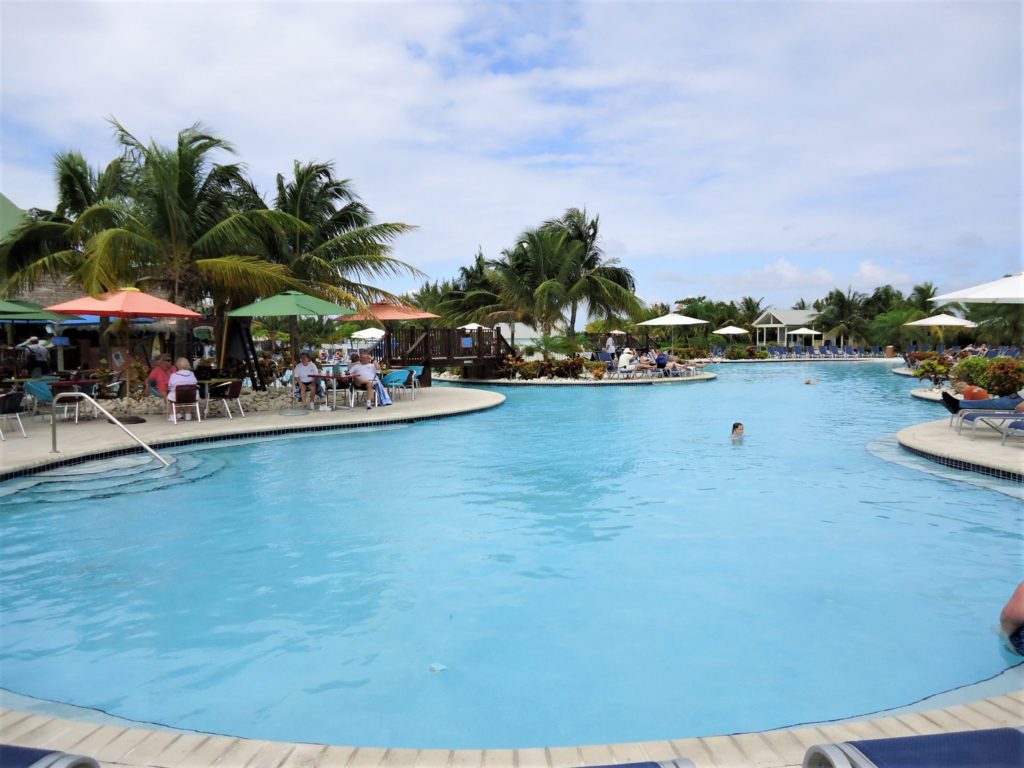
(576, 566)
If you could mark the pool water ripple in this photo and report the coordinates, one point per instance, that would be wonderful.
(576, 566)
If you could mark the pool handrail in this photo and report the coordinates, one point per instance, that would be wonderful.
(105, 412)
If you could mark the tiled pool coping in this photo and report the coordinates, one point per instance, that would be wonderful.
(115, 744)
(937, 441)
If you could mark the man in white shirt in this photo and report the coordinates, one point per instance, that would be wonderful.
(609, 345)
(365, 373)
(304, 373)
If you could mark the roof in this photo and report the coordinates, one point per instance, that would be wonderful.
(773, 317)
(11, 216)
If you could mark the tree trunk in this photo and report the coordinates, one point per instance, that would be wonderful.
(104, 339)
(180, 338)
(572, 321)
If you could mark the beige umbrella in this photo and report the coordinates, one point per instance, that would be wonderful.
(673, 319)
(939, 322)
(1006, 290)
(731, 330)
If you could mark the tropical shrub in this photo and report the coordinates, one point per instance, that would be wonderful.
(937, 369)
(735, 353)
(597, 368)
(918, 357)
(530, 370)
(569, 368)
(971, 370)
(1005, 376)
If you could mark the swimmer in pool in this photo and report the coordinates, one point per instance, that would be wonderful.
(737, 432)
(1011, 620)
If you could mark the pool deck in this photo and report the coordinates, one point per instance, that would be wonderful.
(116, 745)
(92, 436)
(124, 744)
(939, 442)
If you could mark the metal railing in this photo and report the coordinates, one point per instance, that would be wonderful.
(104, 411)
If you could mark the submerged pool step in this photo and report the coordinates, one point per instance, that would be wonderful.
(140, 477)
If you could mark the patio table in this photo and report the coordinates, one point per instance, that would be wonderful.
(206, 384)
(334, 379)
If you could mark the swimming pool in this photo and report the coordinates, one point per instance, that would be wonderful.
(576, 566)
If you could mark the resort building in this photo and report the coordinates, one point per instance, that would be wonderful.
(772, 325)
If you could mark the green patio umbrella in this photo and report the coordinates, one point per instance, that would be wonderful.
(11, 309)
(290, 304)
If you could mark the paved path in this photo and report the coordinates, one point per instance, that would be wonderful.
(92, 436)
(940, 441)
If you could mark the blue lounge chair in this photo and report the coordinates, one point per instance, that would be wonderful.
(679, 762)
(26, 757)
(1013, 429)
(995, 748)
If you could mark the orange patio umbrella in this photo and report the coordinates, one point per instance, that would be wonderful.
(127, 302)
(387, 312)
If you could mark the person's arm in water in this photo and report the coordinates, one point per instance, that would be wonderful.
(1012, 617)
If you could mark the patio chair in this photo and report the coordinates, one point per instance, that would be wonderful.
(396, 380)
(606, 358)
(185, 398)
(679, 762)
(29, 757)
(225, 393)
(10, 405)
(995, 748)
(415, 371)
(41, 394)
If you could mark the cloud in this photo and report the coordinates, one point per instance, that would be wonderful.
(737, 146)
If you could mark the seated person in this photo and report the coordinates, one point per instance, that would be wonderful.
(626, 361)
(1014, 402)
(646, 362)
(365, 373)
(1011, 620)
(182, 377)
(970, 391)
(675, 363)
(160, 376)
(304, 373)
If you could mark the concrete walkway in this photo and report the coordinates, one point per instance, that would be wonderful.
(938, 441)
(91, 436)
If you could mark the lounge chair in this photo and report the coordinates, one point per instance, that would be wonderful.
(990, 418)
(10, 405)
(1013, 429)
(679, 762)
(27, 757)
(995, 748)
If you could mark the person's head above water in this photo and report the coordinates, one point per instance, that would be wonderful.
(737, 429)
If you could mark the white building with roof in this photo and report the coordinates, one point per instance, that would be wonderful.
(773, 324)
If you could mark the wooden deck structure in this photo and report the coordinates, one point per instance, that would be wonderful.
(479, 353)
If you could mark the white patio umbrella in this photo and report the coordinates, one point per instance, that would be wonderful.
(617, 333)
(942, 321)
(803, 332)
(369, 334)
(471, 327)
(731, 330)
(673, 319)
(1006, 290)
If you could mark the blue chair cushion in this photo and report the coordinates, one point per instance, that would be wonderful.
(995, 748)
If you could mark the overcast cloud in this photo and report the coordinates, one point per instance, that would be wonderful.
(771, 149)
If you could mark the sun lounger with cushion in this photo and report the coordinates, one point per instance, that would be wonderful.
(26, 757)
(995, 748)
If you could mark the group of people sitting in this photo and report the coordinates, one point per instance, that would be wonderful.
(651, 361)
(364, 371)
(166, 376)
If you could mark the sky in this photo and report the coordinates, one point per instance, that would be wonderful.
(772, 149)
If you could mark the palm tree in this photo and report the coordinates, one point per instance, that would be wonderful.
(533, 278)
(749, 309)
(605, 286)
(183, 231)
(334, 247)
(998, 323)
(49, 244)
(844, 314)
